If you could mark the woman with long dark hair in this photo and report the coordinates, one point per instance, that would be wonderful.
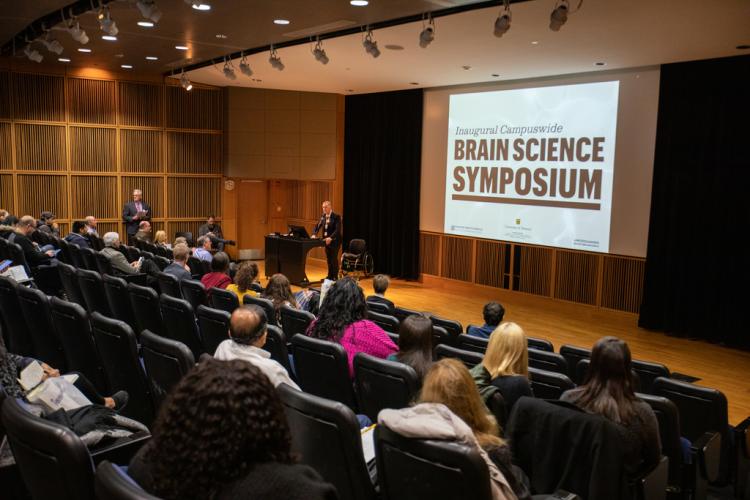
(342, 319)
(222, 434)
(608, 391)
(279, 291)
(415, 344)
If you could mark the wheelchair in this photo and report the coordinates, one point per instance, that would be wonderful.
(357, 260)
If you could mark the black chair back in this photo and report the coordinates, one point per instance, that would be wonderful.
(401, 313)
(103, 265)
(357, 246)
(472, 343)
(582, 370)
(378, 307)
(276, 345)
(179, 323)
(161, 261)
(18, 257)
(549, 385)
(383, 384)
(194, 292)
(112, 483)
(468, 358)
(441, 336)
(53, 461)
(326, 436)
(322, 369)
(15, 329)
(419, 469)
(214, 327)
(549, 361)
(267, 307)
(64, 255)
(540, 344)
(169, 284)
(117, 347)
(224, 300)
(573, 355)
(668, 417)
(36, 311)
(454, 328)
(76, 258)
(294, 321)
(388, 323)
(118, 297)
(145, 304)
(92, 288)
(166, 362)
(196, 267)
(69, 281)
(89, 259)
(648, 372)
(187, 235)
(74, 331)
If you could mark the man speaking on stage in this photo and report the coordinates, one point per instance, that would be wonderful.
(330, 224)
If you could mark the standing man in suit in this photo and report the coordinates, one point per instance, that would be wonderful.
(134, 213)
(330, 224)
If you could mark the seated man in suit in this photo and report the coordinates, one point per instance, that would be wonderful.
(116, 258)
(493, 314)
(34, 255)
(179, 268)
(212, 229)
(78, 235)
(144, 231)
(380, 284)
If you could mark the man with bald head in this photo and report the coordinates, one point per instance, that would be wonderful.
(247, 336)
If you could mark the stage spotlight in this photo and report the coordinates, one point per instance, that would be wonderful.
(52, 45)
(149, 10)
(78, 34)
(275, 60)
(106, 23)
(502, 23)
(320, 54)
(33, 54)
(245, 66)
(428, 33)
(559, 16)
(229, 70)
(371, 47)
(199, 5)
(185, 82)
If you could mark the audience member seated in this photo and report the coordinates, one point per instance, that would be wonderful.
(180, 239)
(8, 225)
(3, 214)
(34, 255)
(78, 235)
(212, 230)
(279, 292)
(247, 332)
(246, 275)
(144, 231)
(380, 284)
(120, 263)
(218, 277)
(203, 250)
(46, 224)
(450, 409)
(415, 344)
(222, 434)
(178, 267)
(160, 239)
(308, 300)
(608, 391)
(91, 223)
(505, 365)
(342, 319)
(11, 366)
(493, 314)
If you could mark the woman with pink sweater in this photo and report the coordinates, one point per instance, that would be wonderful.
(342, 319)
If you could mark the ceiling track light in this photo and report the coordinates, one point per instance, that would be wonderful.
(32, 54)
(51, 44)
(559, 15)
(76, 32)
(149, 10)
(106, 23)
(319, 53)
(184, 82)
(502, 23)
(371, 46)
(245, 66)
(275, 60)
(428, 32)
(229, 70)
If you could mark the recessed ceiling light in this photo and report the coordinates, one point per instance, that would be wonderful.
(201, 6)
(495, 75)
(359, 3)
(350, 90)
(109, 38)
(281, 21)
(466, 67)
(180, 47)
(152, 58)
(742, 47)
(221, 35)
(600, 63)
(534, 42)
(413, 83)
(85, 50)
(63, 59)
(126, 66)
(394, 47)
(145, 24)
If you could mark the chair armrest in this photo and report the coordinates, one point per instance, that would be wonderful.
(706, 451)
(122, 450)
(742, 438)
(138, 279)
(653, 485)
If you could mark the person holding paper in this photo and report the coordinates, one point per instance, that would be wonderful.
(330, 225)
(134, 212)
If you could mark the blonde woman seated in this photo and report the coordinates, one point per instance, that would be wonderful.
(505, 365)
(246, 275)
(450, 407)
(160, 239)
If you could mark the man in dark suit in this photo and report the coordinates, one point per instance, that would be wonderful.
(134, 213)
(330, 225)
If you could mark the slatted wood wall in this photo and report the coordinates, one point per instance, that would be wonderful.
(79, 146)
(603, 280)
(302, 201)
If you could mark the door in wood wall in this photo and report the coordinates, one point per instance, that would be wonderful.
(252, 218)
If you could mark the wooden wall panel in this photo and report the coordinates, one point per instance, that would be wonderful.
(40, 147)
(94, 195)
(153, 192)
(318, 192)
(41, 193)
(296, 199)
(7, 200)
(193, 197)
(141, 104)
(199, 109)
(575, 277)
(6, 143)
(38, 97)
(535, 269)
(105, 227)
(429, 254)
(622, 283)
(91, 101)
(93, 149)
(192, 153)
(490, 263)
(456, 258)
(141, 151)
(6, 110)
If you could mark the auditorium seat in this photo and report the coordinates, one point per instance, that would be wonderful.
(276, 345)
(45, 276)
(549, 385)
(69, 281)
(573, 355)
(89, 259)
(294, 321)
(117, 346)
(214, 327)
(401, 313)
(440, 336)
(116, 290)
(264, 304)
(468, 358)
(92, 288)
(393, 337)
(35, 309)
(14, 325)
(472, 343)
(322, 369)
(103, 264)
(326, 436)
(179, 323)
(169, 284)
(383, 384)
(454, 328)
(187, 235)
(224, 300)
(76, 256)
(161, 262)
(145, 304)
(582, 371)
(648, 372)
(426, 469)
(113, 483)
(540, 344)
(196, 267)
(71, 323)
(378, 307)
(384, 321)
(64, 255)
(549, 361)
(194, 292)
(166, 361)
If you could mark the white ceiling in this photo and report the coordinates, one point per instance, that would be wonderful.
(622, 34)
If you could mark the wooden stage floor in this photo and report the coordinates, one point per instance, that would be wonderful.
(569, 323)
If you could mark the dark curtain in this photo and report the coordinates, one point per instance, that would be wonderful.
(697, 279)
(382, 165)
